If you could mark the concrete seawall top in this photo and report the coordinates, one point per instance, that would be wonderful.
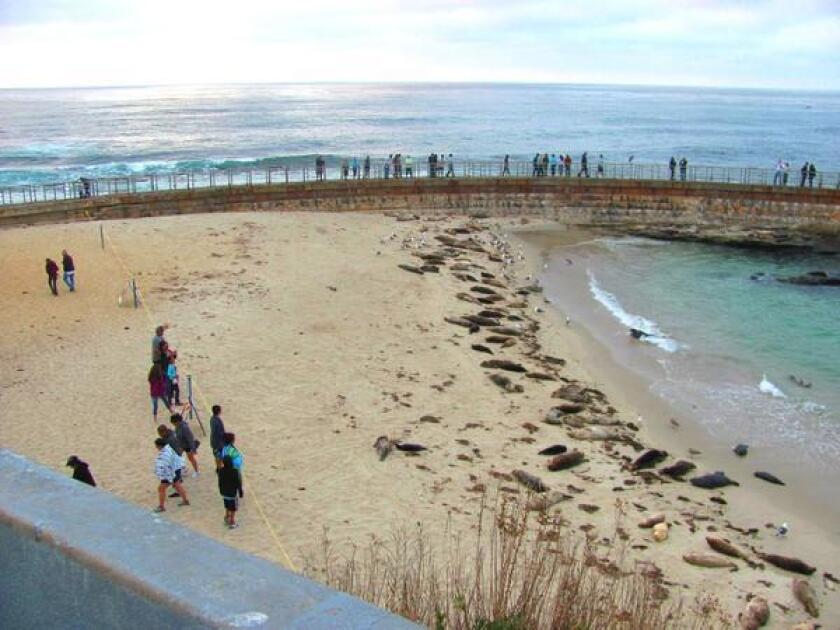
(579, 200)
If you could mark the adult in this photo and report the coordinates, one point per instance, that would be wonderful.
(812, 173)
(432, 159)
(230, 450)
(553, 162)
(168, 472)
(600, 171)
(672, 167)
(52, 275)
(355, 167)
(81, 472)
(777, 176)
(366, 166)
(506, 166)
(69, 270)
(409, 166)
(567, 165)
(450, 166)
(217, 433)
(156, 343)
(386, 168)
(786, 173)
(683, 168)
(535, 165)
(186, 439)
(230, 485)
(803, 172)
(157, 389)
(584, 165)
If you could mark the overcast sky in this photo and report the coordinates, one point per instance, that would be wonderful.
(759, 43)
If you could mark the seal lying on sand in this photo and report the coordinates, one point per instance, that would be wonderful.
(709, 561)
(794, 565)
(409, 448)
(638, 334)
(648, 459)
(769, 477)
(555, 449)
(713, 480)
(755, 615)
(806, 596)
(678, 469)
(529, 481)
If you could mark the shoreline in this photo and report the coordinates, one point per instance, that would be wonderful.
(313, 340)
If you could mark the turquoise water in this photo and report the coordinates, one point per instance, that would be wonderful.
(726, 344)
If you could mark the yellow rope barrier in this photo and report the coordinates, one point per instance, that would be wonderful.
(286, 560)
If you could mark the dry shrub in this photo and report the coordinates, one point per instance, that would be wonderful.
(519, 572)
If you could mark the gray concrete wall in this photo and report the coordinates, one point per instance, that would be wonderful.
(72, 556)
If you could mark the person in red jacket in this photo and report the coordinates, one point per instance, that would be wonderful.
(157, 389)
(52, 275)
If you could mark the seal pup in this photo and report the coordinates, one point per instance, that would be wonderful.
(678, 469)
(529, 481)
(713, 480)
(554, 449)
(806, 596)
(740, 450)
(769, 477)
(383, 446)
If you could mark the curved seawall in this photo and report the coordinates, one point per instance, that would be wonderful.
(660, 208)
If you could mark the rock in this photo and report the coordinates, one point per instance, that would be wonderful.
(678, 469)
(565, 460)
(709, 561)
(528, 480)
(769, 477)
(813, 279)
(806, 596)
(740, 450)
(506, 384)
(502, 364)
(713, 480)
(794, 565)
(755, 615)
(660, 532)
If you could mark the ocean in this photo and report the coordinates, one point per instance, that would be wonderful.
(50, 135)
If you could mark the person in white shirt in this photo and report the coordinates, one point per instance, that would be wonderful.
(168, 466)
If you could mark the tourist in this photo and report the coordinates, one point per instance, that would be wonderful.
(812, 173)
(567, 165)
(683, 168)
(600, 171)
(230, 450)
(432, 164)
(366, 167)
(157, 342)
(672, 167)
(553, 162)
(168, 434)
(345, 169)
(186, 440)
(168, 472)
(319, 168)
(230, 485)
(69, 270)
(217, 433)
(506, 166)
(536, 165)
(544, 165)
(409, 166)
(803, 175)
(786, 173)
(173, 389)
(157, 389)
(52, 275)
(777, 176)
(387, 166)
(450, 166)
(584, 165)
(398, 166)
(81, 472)
(355, 167)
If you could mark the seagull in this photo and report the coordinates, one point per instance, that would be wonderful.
(568, 321)
(782, 529)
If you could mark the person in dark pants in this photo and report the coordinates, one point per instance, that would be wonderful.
(81, 472)
(812, 173)
(230, 485)
(186, 440)
(683, 169)
(803, 175)
(366, 167)
(217, 434)
(506, 166)
(52, 275)
(584, 165)
(672, 167)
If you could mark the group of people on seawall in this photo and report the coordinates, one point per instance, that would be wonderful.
(808, 173)
(177, 446)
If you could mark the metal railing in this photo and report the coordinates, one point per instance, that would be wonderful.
(280, 174)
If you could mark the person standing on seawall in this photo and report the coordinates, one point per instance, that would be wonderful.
(600, 171)
(584, 165)
(785, 173)
(683, 168)
(777, 176)
(409, 166)
(366, 167)
(69, 270)
(672, 167)
(812, 173)
(386, 168)
(355, 167)
(52, 275)
(450, 166)
(803, 172)
(506, 166)
(567, 164)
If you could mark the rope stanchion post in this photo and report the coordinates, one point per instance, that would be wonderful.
(134, 293)
(101, 236)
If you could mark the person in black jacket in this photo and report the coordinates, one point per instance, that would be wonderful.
(81, 472)
(230, 486)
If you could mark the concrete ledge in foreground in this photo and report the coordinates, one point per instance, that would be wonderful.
(77, 557)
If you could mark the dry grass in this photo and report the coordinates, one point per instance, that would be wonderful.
(520, 571)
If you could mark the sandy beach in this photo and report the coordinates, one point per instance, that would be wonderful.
(315, 342)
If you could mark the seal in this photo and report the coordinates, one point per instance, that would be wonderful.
(648, 459)
(806, 596)
(678, 469)
(503, 364)
(409, 448)
(740, 450)
(769, 477)
(480, 348)
(713, 480)
(709, 561)
(565, 460)
(794, 565)
(528, 480)
(506, 384)
(554, 449)
(383, 446)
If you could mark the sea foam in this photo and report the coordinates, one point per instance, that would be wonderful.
(766, 387)
(611, 303)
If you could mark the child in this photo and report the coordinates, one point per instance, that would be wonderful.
(229, 450)
(230, 484)
(168, 472)
(173, 389)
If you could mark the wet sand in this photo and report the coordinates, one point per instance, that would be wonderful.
(316, 343)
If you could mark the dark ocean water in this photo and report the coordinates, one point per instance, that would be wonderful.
(61, 134)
